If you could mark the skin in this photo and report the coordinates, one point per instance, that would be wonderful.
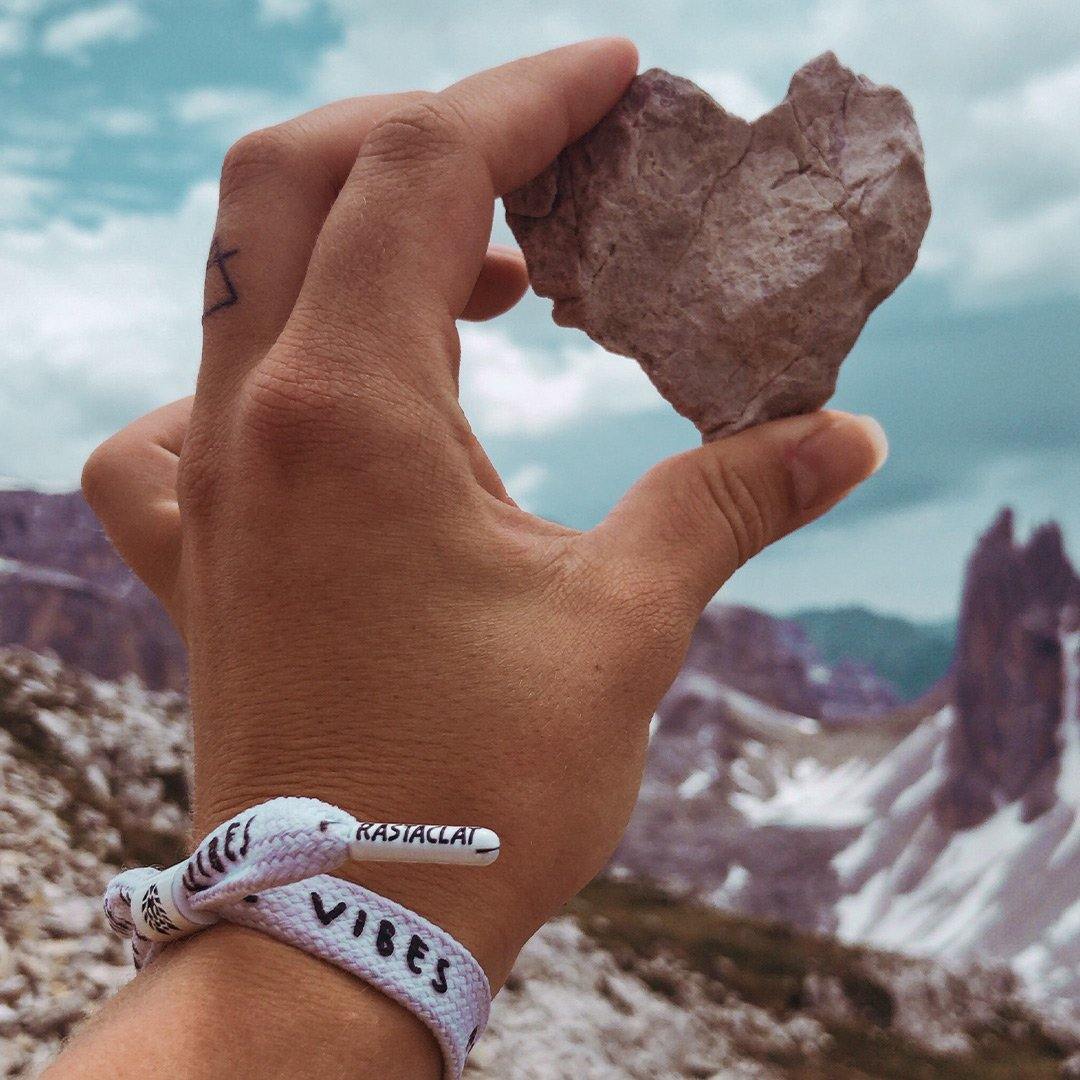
(369, 617)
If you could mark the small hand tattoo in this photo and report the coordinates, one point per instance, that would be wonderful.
(218, 257)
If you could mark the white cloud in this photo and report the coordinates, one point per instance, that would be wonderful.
(735, 92)
(1037, 253)
(12, 36)
(232, 111)
(98, 325)
(22, 195)
(121, 121)
(525, 483)
(285, 10)
(510, 390)
(73, 35)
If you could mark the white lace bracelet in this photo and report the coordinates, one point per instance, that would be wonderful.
(268, 868)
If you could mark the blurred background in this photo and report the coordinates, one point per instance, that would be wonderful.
(874, 748)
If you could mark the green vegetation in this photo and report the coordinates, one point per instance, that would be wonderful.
(912, 656)
(767, 964)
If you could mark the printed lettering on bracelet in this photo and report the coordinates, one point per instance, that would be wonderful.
(207, 865)
(154, 913)
(461, 835)
(414, 951)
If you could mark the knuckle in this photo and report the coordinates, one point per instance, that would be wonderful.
(297, 412)
(261, 154)
(101, 470)
(426, 128)
(727, 494)
(286, 406)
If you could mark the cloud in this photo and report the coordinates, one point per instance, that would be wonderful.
(73, 35)
(734, 91)
(122, 121)
(285, 10)
(98, 326)
(22, 196)
(507, 389)
(1036, 254)
(12, 36)
(230, 112)
(525, 482)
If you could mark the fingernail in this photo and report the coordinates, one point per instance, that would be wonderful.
(837, 456)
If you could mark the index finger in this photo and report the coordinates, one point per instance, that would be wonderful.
(409, 230)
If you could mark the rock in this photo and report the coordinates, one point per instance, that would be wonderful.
(7, 961)
(736, 262)
(1009, 675)
(63, 588)
(54, 1015)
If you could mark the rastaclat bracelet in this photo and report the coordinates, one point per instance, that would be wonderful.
(268, 869)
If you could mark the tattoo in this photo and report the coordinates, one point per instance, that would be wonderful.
(217, 258)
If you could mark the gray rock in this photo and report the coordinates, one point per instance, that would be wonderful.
(736, 262)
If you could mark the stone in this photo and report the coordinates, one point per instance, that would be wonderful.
(736, 262)
(1010, 674)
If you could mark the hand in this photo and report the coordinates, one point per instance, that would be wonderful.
(370, 618)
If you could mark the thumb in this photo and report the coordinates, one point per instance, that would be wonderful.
(695, 518)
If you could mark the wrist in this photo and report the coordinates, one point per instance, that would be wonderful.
(473, 904)
(233, 1002)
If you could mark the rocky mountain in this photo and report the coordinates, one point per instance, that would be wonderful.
(633, 982)
(64, 589)
(948, 828)
(774, 661)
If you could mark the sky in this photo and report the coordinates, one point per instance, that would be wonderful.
(115, 117)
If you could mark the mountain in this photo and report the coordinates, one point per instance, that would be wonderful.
(949, 828)
(774, 661)
(910, 656)
(632, 982)
(63, 588)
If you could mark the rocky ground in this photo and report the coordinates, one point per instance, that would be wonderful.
(631, 982)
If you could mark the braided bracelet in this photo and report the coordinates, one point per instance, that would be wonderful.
(268, 869)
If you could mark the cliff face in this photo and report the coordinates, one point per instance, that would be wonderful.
(63, 588)
(1005, 744)
(773, 660)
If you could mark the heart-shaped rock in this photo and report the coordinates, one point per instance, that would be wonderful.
(735, 262)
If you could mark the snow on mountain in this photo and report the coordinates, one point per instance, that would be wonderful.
(950, 829)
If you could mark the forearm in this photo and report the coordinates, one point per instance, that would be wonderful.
(234, 1003)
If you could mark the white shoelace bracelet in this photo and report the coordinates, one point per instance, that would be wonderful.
(268, 869)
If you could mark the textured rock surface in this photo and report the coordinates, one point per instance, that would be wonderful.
(736, 262)
(773, 660)
(1019, 598)
(92, 776)
(63, 588)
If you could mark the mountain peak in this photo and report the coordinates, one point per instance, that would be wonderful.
(1009, 674)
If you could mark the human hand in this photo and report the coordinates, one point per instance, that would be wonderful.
(370, 619)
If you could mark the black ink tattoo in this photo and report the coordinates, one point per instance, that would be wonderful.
(218, 258)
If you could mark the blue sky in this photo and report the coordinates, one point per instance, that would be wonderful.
(116, 115)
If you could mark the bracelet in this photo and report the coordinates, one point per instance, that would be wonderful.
(268, 869)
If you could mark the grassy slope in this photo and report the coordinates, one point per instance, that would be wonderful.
(766, 964)
(912, 656)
